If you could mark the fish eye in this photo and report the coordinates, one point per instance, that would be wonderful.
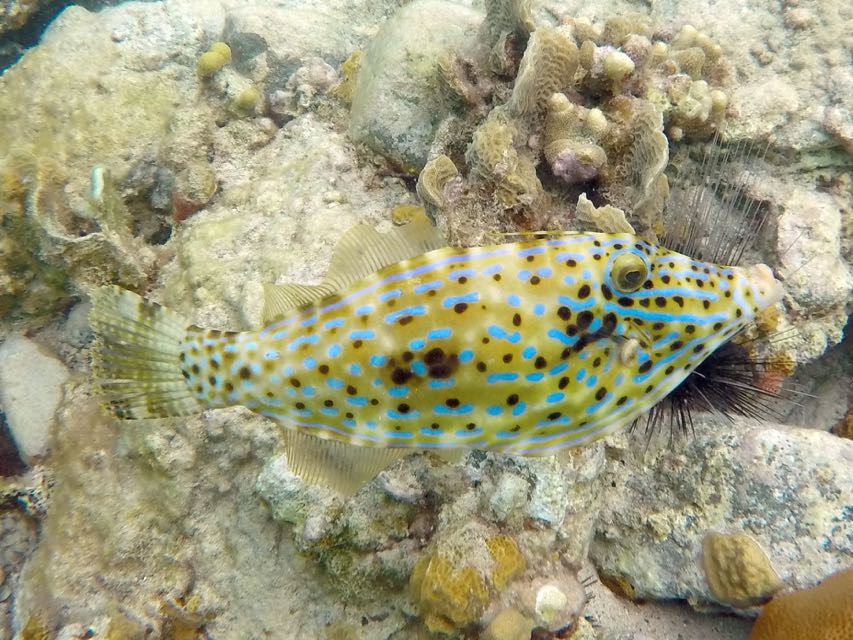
(629, 272)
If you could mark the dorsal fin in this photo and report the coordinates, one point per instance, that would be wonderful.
(281, 298)
(361, 251)
(339, 466)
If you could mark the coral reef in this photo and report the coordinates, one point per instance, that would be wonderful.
(737, 570)
(824, 611)
(659, 507)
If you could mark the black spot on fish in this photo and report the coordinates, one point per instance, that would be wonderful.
(669, 370)
(530, 258)
(555, 416)
(540, 363)
(299, 405)
(351, 390)
(374, 401)
(689, 328)
(470, 426)
(196, 370)
(323, 369)
(212, 381)
(675, 346)
(596, 363)
(707, 305)
(496, 277)
(357, 344)
(535, 280)
(571, 263)
(481, 367)
(660, 301)
(718, 326)
(679, 301)
(403, 408)
(698, 348)
(434, 356)
(507, 357)
(186, 374)
(460, 307)
(349, 415)
(452, 402)
(646, 366)
(657, 326)
(599, 395)
(585, 319)
(564, 313)
(462, 280)
(606, 292)
(583, 292)
(408, 356)
(229, 387)
(404, 320)
(401, 376)
(328, 403)
(625, 301)
(621, 401)
(564, 382)
(512, 399)
(516, 320)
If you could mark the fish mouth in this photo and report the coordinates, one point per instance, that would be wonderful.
(766, 289)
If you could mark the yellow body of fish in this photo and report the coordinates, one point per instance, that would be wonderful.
(525, 347)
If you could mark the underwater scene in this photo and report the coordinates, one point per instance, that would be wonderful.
(426, 319)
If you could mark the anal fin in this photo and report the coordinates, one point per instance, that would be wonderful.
(337, 465)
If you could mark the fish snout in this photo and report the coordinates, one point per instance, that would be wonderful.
(766, 289)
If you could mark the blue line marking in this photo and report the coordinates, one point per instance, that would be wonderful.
(309, 321)
(309, 363)
(580, 375)
(392, 317)
(357, 402)
(439, 334)
(534, 377)
(364, 310)
(335, 383)
(334, 324)
(404, 435)
(419, 368)
(355, 369)
(464, 433)
(416, 345)
(334, 351)
(568, 280)
(494, 410)
(556, 397)
(592, 381)
(442, 384)
(250, 346)
(398, 392)
(428, 286)
(561, 337)
(365, 334)
(396, 415)
(309, 391)
(513, 300)
(378, 361)
(231, 348)
(492, 270)
(303, 340)
(255, 369)
(568, 255)
(466, 356)
(470, 298)
(539, 309)
(519, 409)
(385, 296)
(499, 333)
(329, 411)
(348, 422)
(460, 273)
(555, 371)
(576, 305)
(533, 251)
(528, 352)
(463, 410)
(501, 377)
(544, 272)
(272, 355)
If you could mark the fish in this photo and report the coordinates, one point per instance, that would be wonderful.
(527, 348)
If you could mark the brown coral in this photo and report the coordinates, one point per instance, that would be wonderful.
(824, 612)
(737, 569)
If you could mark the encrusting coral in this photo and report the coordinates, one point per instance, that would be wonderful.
(824, 611)
(737, 570)
(212, 60)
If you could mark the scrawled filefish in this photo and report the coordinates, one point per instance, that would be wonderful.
(526, 347)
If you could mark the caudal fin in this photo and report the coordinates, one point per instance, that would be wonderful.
(137, 356)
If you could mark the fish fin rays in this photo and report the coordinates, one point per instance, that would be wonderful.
(336, 465)
(280, 299)
(360, 252)
(363, 250)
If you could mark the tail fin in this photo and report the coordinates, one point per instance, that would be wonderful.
(137, 356)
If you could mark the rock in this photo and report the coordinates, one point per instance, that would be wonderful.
(398, 103)
(730, 478)
(30, 392)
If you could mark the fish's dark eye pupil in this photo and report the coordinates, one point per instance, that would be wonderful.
(632, 277)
